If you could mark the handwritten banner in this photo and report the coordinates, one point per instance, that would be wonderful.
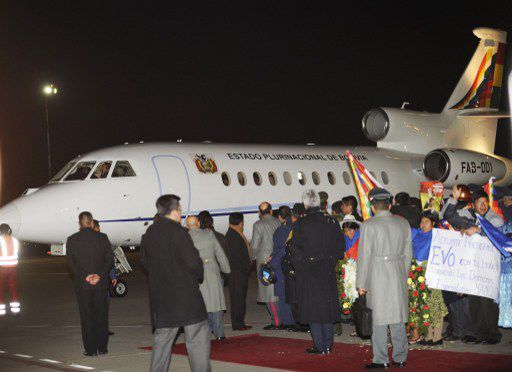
(463, 264)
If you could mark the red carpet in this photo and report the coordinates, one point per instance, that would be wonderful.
(287, 353)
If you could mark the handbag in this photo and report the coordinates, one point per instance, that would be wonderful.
(362, 318)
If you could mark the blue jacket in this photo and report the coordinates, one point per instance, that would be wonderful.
(280, 237)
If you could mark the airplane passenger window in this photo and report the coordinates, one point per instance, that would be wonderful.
(373, 174)
(102, 170)
(331, 177)
(81, 171)
(272, 178)
(123, 169)
(242, 180)
(316, 178)
(257, 178)
(346, 178)
(287, 178)
(302, 178)
(63, 171)
(225, 179)
(385, 178)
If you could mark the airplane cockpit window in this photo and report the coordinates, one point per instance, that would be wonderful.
(63, 171)
(123, 169)
(102, 170)
(81, 171)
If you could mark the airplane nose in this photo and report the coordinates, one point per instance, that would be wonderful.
(10, 215)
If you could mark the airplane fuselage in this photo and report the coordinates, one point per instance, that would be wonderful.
(214, 177)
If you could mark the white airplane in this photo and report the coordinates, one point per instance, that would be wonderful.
(119, 185)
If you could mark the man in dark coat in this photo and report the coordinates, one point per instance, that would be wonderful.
(90, 257)
(317, 245)
(402, 207)
(240, 263)
(174, 271)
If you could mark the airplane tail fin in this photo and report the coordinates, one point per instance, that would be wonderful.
(480, 85)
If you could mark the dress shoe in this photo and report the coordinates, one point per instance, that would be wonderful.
(490, 341)
(102, 352)
(314, 350)
(110, 333)
(398, 364)
(451, 338)
(271, 327)
(328, 350)
(377, 365)
(471, 340)
(291, 327)
(244, 328)
(87, 353)
(436, 343)
(221, 338)
(425, 342)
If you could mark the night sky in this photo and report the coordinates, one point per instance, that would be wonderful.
(260, 75)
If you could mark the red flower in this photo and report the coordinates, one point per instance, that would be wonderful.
(343, 295)
(347, 311)
(411, 275)
(411, 324)
(415, 293)
(426, 307)
(419, 269)
(413, 310)
(422, 286)
(426, 324)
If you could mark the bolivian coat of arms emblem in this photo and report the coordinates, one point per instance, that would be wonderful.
(205, 164)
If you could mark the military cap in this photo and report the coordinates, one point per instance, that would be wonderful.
(378, 193)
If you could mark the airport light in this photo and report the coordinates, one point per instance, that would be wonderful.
(48, 90)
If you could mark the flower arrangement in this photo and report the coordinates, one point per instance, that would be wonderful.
(346, 277)
(419, 310)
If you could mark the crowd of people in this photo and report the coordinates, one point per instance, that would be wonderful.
(303, 257)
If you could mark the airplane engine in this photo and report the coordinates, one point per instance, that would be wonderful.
(403, 130)
(454, 166)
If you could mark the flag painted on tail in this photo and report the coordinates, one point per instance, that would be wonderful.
(493, 202)
(364, 183)
(498, 239)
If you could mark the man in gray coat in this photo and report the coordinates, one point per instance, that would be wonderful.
(262, 245)
(384, 259)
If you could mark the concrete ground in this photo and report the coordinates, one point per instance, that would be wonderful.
(46, 335)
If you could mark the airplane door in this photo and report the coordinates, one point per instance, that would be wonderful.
(173, 178)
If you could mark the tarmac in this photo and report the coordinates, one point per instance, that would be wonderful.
(46, 334)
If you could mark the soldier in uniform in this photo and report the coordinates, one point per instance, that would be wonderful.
(383, 262)
(317, 244)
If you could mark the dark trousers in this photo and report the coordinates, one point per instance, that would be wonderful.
(93, 308)
(238, 282)
(322, 334)
(462, 324)
(484, 315)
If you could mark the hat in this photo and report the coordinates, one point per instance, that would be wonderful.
(378, 193)
(323, 196)
(266, 275)
(349, 219)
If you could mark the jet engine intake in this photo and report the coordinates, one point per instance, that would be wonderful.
(453, 166)
(376, 124)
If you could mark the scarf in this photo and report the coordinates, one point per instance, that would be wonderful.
(421, 244)
(351, 245)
